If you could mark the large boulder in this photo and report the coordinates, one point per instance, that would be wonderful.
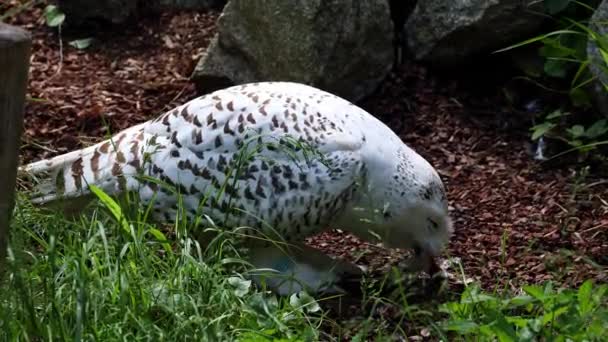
(598, 64)
(447, 33)
(341, 46)
(119, 11)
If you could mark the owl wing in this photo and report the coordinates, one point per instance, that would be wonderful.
(280, 160)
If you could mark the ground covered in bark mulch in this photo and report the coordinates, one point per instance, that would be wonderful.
(516, 221)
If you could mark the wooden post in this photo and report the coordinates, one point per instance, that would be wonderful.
(15, 45)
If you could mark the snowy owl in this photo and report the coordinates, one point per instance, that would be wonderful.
(289, 161)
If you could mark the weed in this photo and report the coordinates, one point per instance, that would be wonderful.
(564, 55)
(102, 278)
(540, 313)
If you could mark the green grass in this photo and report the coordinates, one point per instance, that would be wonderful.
(540, 313)
(112, 274)
(97, 279)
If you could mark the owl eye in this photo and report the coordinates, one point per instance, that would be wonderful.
(434, 225)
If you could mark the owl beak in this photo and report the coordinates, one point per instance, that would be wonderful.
(423, 260)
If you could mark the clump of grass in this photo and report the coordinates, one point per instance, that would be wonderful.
(103, 278)
(540, 313)
(112, 274)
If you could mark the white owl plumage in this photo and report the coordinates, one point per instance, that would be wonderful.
(307, 160)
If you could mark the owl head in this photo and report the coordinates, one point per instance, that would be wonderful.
(405, 207)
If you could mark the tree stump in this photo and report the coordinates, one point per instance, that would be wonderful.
(15, 45)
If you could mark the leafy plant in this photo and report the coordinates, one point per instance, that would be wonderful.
(112, 274)
(564, 55)
(576, 135)
(53, 16)
(81, 44)
(563, 51)
(540, 313)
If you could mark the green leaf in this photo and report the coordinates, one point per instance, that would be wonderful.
(576, 143)
(161, 238)
(520, 301)
(526, 334)
(598, 129)
(241, 285)
(112, 206)
(504, 330)
(600, 291)
(479, 298)
(552, 316)
(556, 6)
(461, 326)
(555, 68)
(553, 48)
(53, 16)
(583, 67)
(576, 131)
(556, 114)
(578, 43)
(535, 291)
(536, 324)
(303, 300)
(579, 97)
(541, 129)
(584, 297)
(537, 39)
(81, 44)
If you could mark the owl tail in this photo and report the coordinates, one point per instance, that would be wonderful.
(66, 178)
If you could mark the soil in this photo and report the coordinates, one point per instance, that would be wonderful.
(516, 220)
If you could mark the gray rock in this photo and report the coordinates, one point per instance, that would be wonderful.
(342, 46)
(449, 32)
(597, 89)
